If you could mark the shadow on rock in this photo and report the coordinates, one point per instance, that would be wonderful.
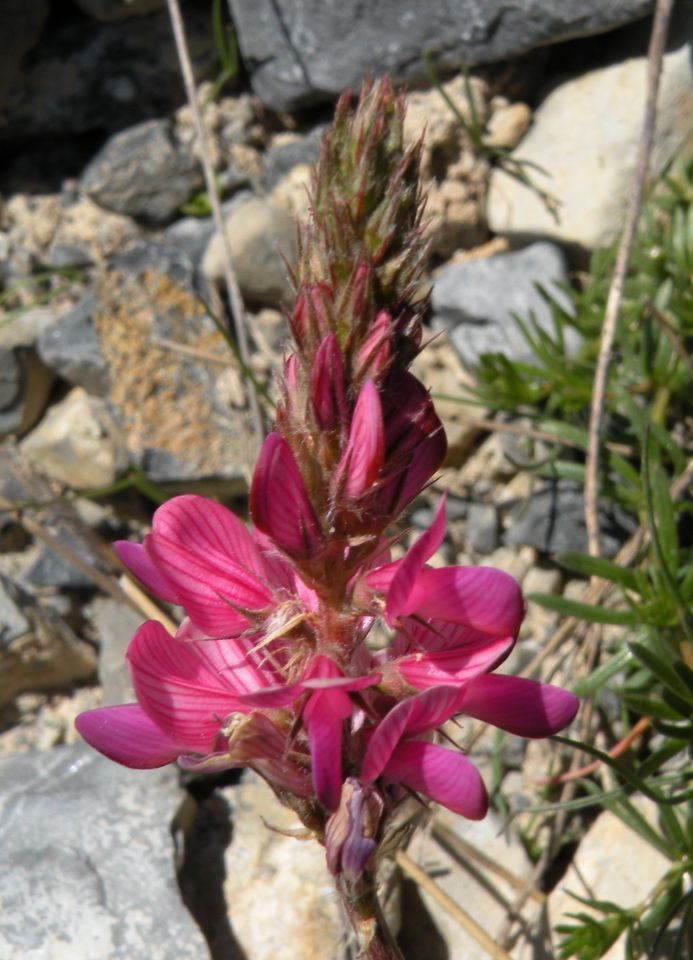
(202, 831)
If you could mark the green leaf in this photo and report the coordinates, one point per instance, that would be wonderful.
(584, 611)
(598, 567)
(600, 677)
(662, 667)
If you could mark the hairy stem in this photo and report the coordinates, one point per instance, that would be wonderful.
(362, 907)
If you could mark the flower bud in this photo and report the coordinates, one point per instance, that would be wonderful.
(327, 384)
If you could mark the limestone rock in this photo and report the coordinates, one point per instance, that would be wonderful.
(431, 932)
(585, 136)
(114, 625)
(598, 872)
(281, 898)
(476, 301)
(508, 124)
(143, 173)
(306, 51)
(257, 231)
(176, 422)
(77, 443)
(89, 861)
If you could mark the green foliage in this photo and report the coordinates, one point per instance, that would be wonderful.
(646, 651)
(651, 372)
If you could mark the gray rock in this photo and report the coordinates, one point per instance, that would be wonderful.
(38, 650)
(190, 235)
(280, 159)
(13, 623)
(477, 301)
(89, 861)
(70, 347)
(306, 51)
(21, 23)
(482, 529)
(172, 409)
(50, 569)
(585, 137)
(143, 173)
(119, 9)
(26, 327)
(25, 384)
(72, 255)
(554, 521)
(258, 233)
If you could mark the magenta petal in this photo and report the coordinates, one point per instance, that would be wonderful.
(445, 776)
(135, 558)
(127, 735)
(279, 503)
(209, 530)
(189, 689)
(480, 597)
(362, 461)
(418, 714)
(324, 716)
(455, 666)
(211, 560)
(412, 563)
(524, 707)
(327, 384)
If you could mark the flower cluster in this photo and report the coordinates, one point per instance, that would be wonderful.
(276, 665)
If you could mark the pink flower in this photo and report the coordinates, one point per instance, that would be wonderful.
(258, 676)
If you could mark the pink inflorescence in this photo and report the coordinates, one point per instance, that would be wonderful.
(274, 666)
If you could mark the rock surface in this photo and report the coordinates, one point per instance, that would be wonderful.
(585, 137)
(77, 443)
(306, 51)
(477, 301)
(258, 233)
(143, 173)
(89, 861)
(38, 651)
(593, 874)
(435, 934)
(553, 521)
(171, 399)
(71, 348)
(281, 899)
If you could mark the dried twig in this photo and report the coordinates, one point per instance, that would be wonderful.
(412, 870)
(616, 751)
(613, 303)
(462, 850)
(234, 294)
